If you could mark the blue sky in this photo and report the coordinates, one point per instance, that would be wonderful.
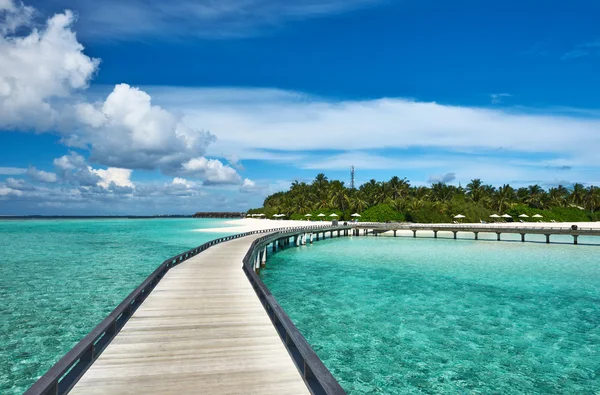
(171, 107)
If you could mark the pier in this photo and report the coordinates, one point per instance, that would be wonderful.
(203, 322)
(363, 229)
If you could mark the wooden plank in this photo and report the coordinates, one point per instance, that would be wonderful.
(201, 331)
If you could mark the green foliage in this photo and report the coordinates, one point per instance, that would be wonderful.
(381, 213)
(397, 200)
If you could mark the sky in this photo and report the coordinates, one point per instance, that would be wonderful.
(152, 107)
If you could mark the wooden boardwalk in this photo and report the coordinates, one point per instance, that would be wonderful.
(202, 330)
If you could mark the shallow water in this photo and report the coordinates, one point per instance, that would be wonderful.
(425, 316)
(60, 278)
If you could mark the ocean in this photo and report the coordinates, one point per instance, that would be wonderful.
(60, 278)
(441, 316)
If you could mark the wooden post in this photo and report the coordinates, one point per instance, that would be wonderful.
(547, 239)
(414, 233)
(311, 237)
(455, 232)
(263, 261)
(395, 232)
(498, 233)
(435, 234)
(575, 239)
(476, 235)
(522, 237)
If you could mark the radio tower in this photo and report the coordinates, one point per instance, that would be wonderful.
(352, 177)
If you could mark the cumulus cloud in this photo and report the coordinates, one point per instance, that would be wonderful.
(41, 76)
(73, 168)
(249, 186)
(14, 14)
(39, 70)
(41, 175)
(127, 131)
(113, 175)
(212, 171)
(183, 183)
(446, 178)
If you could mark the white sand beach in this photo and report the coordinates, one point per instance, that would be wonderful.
(249, 224)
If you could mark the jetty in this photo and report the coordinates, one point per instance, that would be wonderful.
(211, 214)
(202, 322)
(375, 228)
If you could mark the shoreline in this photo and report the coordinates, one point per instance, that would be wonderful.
(242, 225)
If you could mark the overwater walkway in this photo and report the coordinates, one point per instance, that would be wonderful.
(202, 330)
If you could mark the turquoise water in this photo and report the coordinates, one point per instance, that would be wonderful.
(60, 278)
(425, 316)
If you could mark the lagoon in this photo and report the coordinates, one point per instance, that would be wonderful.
(60, 278)
(414, 316)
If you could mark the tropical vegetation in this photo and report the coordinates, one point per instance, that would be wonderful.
(398, 200)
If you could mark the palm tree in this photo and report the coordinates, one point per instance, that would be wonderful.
(577, 194)
(358, 203)
(338, 195)
(504, 197)
(592, 198)
(475, 190)
(398, 187)
(558, 196)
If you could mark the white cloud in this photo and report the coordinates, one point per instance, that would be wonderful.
(5, 191)
(249, 186)
(212, 171)
(113, 175)
(73, 168)
(276, 122)
(14, 14)
(11, 171)
(41, 77)
(126, 130)
(39, 69)
(178, 181)
(41, 175)
(204, 18)
(583, 50)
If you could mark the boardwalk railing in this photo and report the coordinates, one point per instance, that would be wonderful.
(317, 377)
(63, 376)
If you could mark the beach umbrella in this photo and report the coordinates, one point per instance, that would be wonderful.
(355, 215)
(538, 216)
(333, 215)
(321, 215)
(459, 216)
(494, 216)
(261, 215)
(506, 216)
(523, 216)
(308, 215)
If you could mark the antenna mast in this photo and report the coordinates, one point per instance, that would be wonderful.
(352, 177)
